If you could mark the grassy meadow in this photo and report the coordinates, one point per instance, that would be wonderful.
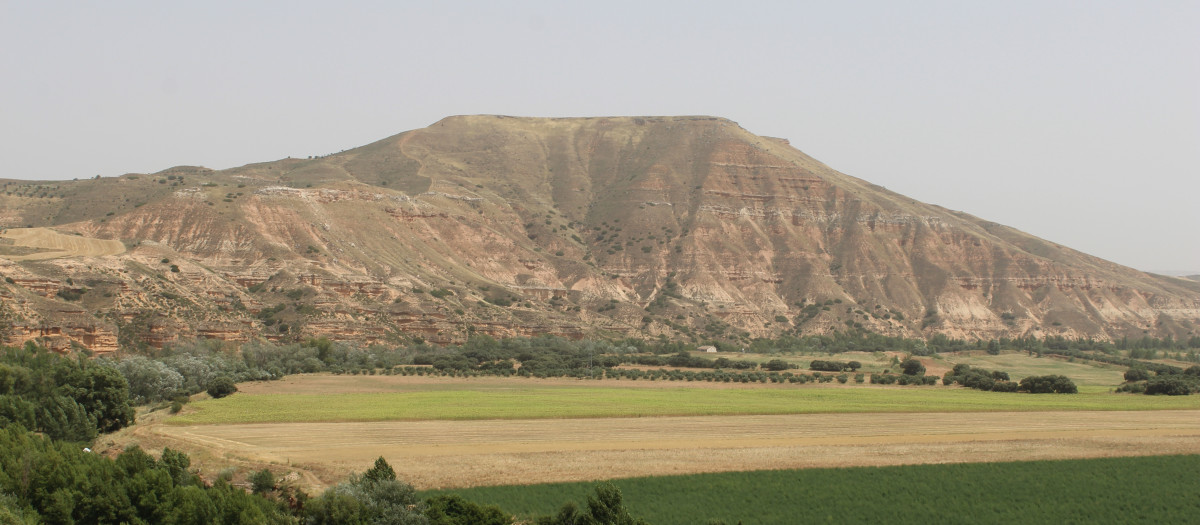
(1018, 365)
(1153, 489)
(540, 401)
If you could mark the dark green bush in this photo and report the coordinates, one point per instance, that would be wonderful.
(221, 386)
(1056, 384)
(1171, 386)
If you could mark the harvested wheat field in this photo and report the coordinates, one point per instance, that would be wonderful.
(439, 452)
(49, 244)
(442, 454)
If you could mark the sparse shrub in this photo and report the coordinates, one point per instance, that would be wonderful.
(70, 295)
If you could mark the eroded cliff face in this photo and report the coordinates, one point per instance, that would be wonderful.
(688, 227)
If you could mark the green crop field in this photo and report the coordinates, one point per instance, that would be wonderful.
(524, 401)
(1154, 489)
(1020, 365)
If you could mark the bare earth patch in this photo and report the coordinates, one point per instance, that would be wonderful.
(443, 454)
(50, 244)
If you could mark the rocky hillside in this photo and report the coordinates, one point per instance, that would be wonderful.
(685, 227)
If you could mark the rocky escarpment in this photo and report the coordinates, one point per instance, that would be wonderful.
(684, 227)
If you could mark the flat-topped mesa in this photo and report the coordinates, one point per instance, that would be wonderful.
(689, 227)
(633, 120)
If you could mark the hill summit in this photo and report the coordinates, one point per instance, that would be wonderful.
(689, 228)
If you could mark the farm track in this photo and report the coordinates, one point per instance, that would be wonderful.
(444, 454)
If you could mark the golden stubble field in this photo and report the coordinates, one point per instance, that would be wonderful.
(445, 454)
(51, 244)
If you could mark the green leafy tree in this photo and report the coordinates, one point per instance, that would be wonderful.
(103, 393)
(16, 410)
(262, 481)
(1137, 374)
(776, 365)
(60, 417)
(1056, 384)
(335, 508)
(912, 367)
(1171, 386)
(381, 471)
(568, 514)
(993, 347)
(452, 509)
(221, 386)
(176, 463)
(604, 507)
(149, 380)
(13, 513)
(375, 498)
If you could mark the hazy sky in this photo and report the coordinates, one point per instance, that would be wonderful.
(1078, 122)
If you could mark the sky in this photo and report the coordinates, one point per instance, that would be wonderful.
(1078, 122)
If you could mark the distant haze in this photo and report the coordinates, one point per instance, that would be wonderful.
(1078, 122)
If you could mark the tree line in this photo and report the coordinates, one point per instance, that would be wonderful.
(64, 398)
(52, 406)
(1169, 381)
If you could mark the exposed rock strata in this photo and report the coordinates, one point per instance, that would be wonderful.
(681, 226)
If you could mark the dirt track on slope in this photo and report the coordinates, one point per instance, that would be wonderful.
(52, 244)
(433, 454)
